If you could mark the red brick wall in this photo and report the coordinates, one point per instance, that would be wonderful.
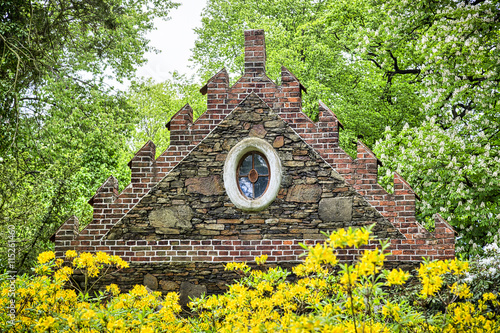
(323, 136)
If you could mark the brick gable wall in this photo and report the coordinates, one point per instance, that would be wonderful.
(122, 222)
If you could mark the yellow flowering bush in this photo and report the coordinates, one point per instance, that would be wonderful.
(46, 302)
(322, 295)
(327, 296)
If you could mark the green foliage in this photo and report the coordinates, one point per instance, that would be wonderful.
(156, 103)
(62, 129)
(50, 173)
(317, 41)
(451, 159)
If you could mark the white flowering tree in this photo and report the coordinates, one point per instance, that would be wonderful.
(450, 49)
(456, 175)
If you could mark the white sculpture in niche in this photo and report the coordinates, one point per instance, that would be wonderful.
(252, 174)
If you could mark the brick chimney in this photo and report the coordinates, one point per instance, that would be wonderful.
(255, 52)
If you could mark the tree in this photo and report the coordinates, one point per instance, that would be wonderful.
(69, 40)
(454, 174)
(450, 48)
(318, 42)
(58, 163)
(156, 103)
(61, 125)
(449, 45)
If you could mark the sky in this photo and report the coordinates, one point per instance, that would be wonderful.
(174, 38)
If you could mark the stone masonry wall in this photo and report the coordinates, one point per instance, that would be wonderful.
(191, 202)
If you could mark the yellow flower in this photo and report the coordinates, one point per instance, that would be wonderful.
(350, 237)
(338, 238)
(42, 270)
(489, 296)
(463, 313)
(119, 305)
(139, 290)
(321, 254)
(261, 260)
(119, 262)
(102, 257)
(146, 329)
(88, 314)
(46, 257)
(113, 289)
(461, 290)
(431, 285)
(264, 286)
(114, 324)
(371, 262)
(234, 266)
(63, 273)
(397, 276)
(458, 267)
(43, 325)
(361, 237)
(84, 260)
(71, 320)
(391, 310)
(71, 254)
(93, 271)
(349, 278)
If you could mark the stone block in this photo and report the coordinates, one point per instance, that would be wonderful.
(215, 226)
(209, 232)
(189, 291)
(211, 185)
(279, 142)
(274, 124)
(169, 285)
(174, 217)
(304, 193)
(150, 281)
(258, 131)
(336, 209)
(168, 231)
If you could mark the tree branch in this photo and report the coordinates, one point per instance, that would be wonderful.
(375, 62)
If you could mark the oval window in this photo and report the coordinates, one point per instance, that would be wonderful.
(253, 175)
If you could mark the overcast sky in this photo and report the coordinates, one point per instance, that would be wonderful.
(174, 38)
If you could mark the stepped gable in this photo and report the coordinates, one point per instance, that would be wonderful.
(186, 212)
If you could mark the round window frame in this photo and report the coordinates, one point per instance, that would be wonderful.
(238, 176)
(231, 166)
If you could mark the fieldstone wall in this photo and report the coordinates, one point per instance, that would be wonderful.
(190, 202)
